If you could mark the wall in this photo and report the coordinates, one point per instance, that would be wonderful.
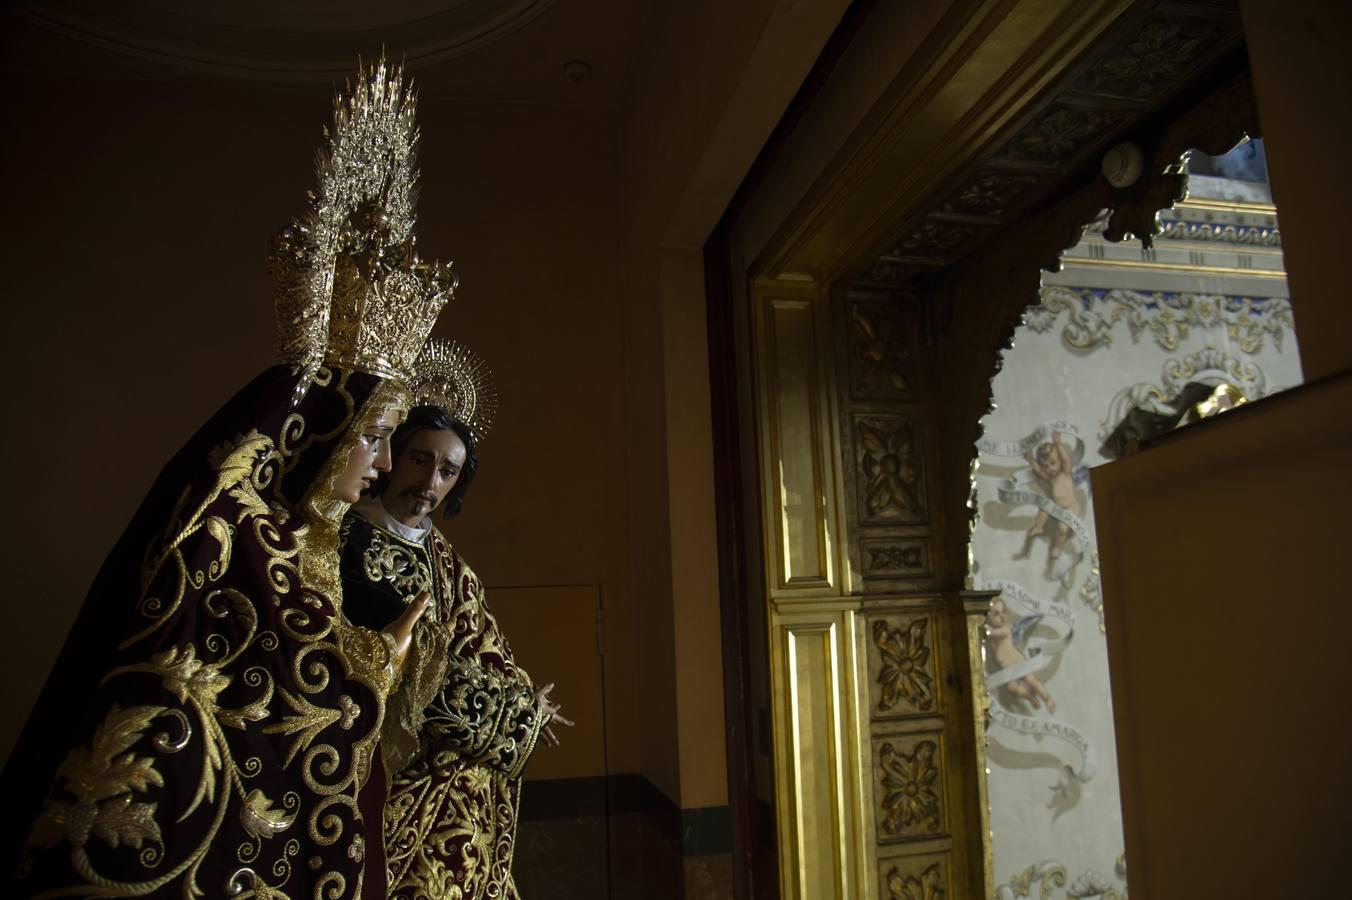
(1291, 43)
(715, 79)
(1205, 609)
(885, 40)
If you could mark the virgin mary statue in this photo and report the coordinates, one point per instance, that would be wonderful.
(210, 728)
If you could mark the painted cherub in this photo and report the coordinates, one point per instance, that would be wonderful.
(1003, 640)
(1053, 465)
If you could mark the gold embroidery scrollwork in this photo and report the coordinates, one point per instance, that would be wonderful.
(104, 779)
(112, 790)
(386, 560)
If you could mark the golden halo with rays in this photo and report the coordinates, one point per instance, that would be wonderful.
(450, 375)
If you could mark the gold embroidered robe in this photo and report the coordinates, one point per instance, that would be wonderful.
(212, 720)
(460, 728)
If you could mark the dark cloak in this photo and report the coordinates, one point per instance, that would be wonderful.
(212, 717)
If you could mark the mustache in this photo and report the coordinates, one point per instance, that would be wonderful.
(415, 494)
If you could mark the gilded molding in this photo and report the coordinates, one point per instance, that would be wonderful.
(934, 239)
(1113, 85)
(990, 192)
(1176, 229)
(1091, 316)
(1156, 54)
(1062, 133)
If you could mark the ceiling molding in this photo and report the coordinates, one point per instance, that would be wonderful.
(1030, 90)
(218, 42)
(1144, 60)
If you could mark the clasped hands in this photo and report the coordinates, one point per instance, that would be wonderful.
(401, 630)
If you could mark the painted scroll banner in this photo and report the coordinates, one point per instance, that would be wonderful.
(1041, 652)
(1023, 488)
(1040, 436)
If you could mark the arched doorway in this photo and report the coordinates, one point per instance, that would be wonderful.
(1123, 344)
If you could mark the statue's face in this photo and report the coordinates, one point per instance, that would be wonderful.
(369, 458)
(424, 474)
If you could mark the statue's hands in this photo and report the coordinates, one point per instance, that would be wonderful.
(401, 629)
(552, 712)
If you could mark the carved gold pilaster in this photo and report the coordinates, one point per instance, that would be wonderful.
(928, 834)
(800, 478)
(818, 745)
(813, 625)
(871, 664)
(916, 700)
(975, 606)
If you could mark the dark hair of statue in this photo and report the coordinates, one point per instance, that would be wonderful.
(434, 418)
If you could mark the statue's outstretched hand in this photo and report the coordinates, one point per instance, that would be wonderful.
(552, 711)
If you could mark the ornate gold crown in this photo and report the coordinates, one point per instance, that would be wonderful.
(457, 379)
(349, 288)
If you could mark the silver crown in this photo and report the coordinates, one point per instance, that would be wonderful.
(350, 288)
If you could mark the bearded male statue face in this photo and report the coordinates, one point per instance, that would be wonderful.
(433, 462)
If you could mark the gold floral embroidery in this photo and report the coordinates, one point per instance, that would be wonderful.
(103, 778)
(106, 790)
(386, 560)
(450, 821)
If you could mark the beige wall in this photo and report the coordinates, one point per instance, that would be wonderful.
(139, 214)
(889, 35)
(1296, 48)
(1227, 648)
(714, 80)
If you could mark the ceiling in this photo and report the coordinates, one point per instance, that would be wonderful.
(1004, 107)
(505, 49)
(1131, 71)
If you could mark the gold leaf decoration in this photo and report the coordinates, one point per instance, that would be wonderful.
(889, 468)
(879, 352)
(904, 676)
(184, 676)
(908, 887)
(909, 800)
(120, 821)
